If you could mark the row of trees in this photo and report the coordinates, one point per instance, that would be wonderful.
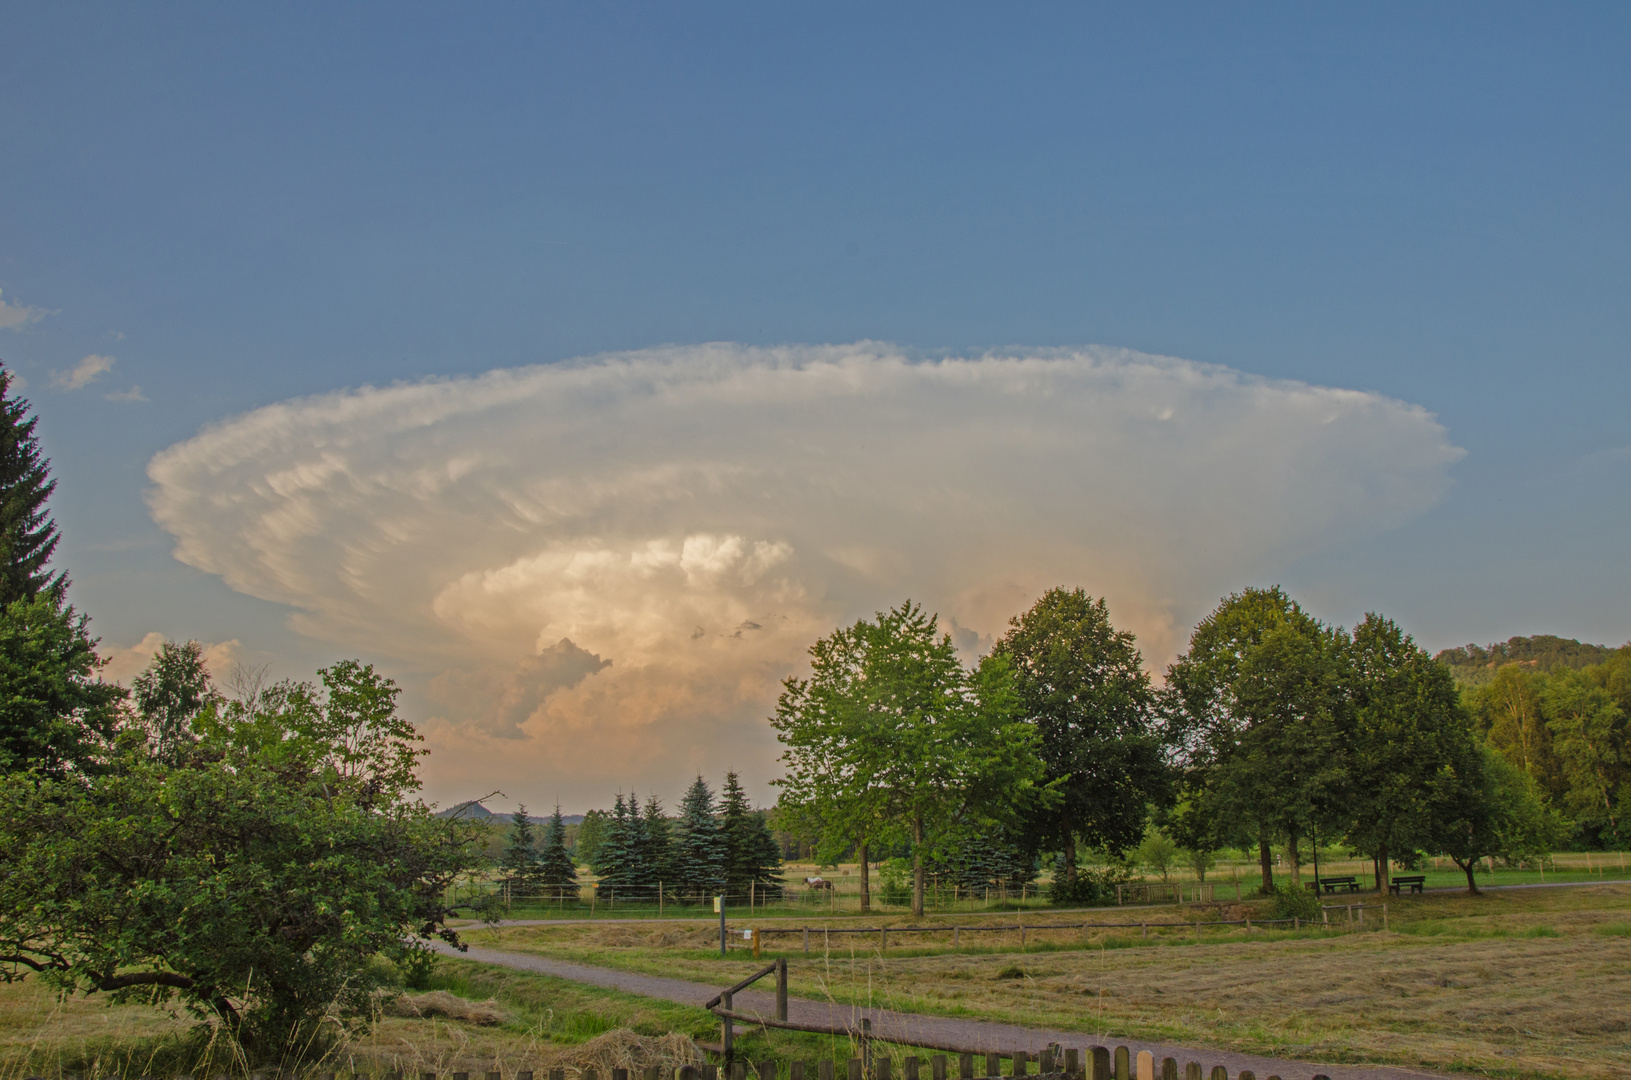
(1569, 731)
(251, 855)
(709, 847)
(1273, 728)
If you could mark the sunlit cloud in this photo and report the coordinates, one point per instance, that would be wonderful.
(595, 574)
(83, 373)
(17, 316)
(222, 658)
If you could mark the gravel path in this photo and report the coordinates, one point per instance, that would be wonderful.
(904, 1027)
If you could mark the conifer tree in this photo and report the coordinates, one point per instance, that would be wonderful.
(699, 848)
(520, 858)
(751, 855)
(612, 856)
(555, 869)
(659, 867)
(28, 536)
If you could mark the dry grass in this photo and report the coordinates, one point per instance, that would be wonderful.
(1521, 983)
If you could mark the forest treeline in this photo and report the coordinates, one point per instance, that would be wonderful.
(1274, 731)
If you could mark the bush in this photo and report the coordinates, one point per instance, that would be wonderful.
(1091, 888)
(1295, 902)
(895, 883)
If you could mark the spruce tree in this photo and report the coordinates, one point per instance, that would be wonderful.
(659, 846)
(520, 858)
(28, 536)
(612, 856)
(751, 856)
(699, 847)
(555, 869)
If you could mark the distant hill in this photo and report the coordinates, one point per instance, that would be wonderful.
(474, 811)
(1474, 665)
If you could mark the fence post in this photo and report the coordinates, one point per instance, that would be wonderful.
(1098, 1064)
(993, 1065)
(1146, 1065)
(965, 1066)
(726, 1040)
(866, 1044)
(937, 1067)
(1123, 1064)
(781, 989)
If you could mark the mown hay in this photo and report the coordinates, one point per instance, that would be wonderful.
(623, 1049)
(448, 1006)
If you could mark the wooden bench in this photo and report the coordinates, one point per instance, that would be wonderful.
(1416, 882)
(1332, 884)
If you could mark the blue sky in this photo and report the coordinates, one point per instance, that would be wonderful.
(243, 207)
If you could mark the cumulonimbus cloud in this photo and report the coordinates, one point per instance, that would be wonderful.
(614, 561)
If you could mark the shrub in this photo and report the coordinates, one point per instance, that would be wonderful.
(1295, 902)
(1091, 888)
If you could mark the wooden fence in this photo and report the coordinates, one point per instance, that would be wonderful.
(1098, 1063)
(824, 934)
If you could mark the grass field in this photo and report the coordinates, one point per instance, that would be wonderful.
(1532, 983)
(1521, 983)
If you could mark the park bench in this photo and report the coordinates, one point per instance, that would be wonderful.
(1332, 884)
(1416, 883)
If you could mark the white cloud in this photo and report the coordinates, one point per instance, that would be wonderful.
(124, 663)
(83, 373)
(620, 558)
(17, 316)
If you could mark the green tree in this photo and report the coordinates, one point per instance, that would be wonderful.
(891, 729)
(1156, 853)
(1488, 808)
(659, 856)
(1508, 710)
(255, 873)
(752, 858)
(1081, 684)
(55, 715)
(591, 834)
(1409, 728)
(520, 859)
(699, 848)
(1260, 706)
(555, 869)
(172, 691)
(1589, 733)
(28, 536)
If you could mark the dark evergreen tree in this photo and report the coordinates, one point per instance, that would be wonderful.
(659, 868)
(555, 869)
(751, 856)
(28, 536)
(612, 854)
(55, 715)
(699, 849)
(520, 859)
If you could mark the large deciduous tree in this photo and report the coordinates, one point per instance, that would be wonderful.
(891, 732)
(1410, 731)
(1081, 685)
(1261, 696)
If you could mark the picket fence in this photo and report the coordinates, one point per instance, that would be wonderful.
(1053, 1063)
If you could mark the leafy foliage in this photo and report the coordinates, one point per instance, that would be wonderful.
(254, 869)
(1081, 684)
(55, 715)
(891, 734)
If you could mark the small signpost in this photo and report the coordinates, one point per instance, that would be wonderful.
(719, 906)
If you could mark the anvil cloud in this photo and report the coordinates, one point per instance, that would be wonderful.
(594, 574)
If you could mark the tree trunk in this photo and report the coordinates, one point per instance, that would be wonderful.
(1070, 850)
(1383, 873)
(1264, 857)
(866, 886)
(1294, 858)
(917, 867)
(1472, 885)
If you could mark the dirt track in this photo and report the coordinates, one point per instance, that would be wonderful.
(905, 1027)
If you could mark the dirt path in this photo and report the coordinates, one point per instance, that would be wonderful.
(904, 1027)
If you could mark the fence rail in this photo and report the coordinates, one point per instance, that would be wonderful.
(883, 933)
(1053, 1063)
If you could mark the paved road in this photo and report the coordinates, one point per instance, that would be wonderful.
(905, 1027)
